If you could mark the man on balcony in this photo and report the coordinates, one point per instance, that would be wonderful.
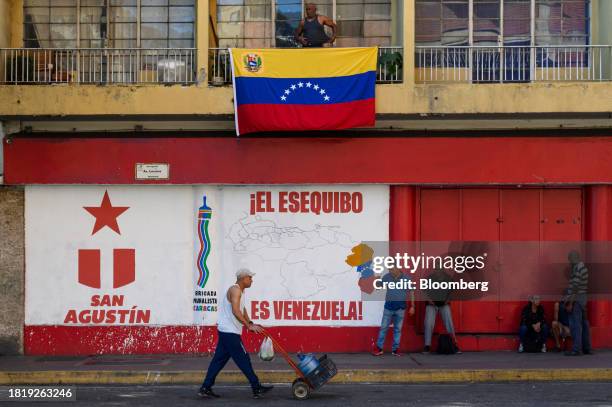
(311, 31)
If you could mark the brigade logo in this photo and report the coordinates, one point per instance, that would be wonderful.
(252, 62)
(204, 216)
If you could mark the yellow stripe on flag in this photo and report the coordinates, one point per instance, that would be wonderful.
(303, 62)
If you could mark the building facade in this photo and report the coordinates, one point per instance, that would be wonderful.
(125, 185)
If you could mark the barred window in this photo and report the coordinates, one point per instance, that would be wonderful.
(502, 22)
(109, 23)
(272, 23)
(562, 22)
(442, 22)
(50, 23)
(167, 23)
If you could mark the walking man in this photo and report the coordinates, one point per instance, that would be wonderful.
(232, 317)
(575, 304)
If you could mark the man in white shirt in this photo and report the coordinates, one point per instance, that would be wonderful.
(232, 317)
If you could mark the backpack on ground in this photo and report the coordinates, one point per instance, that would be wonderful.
(446, 345)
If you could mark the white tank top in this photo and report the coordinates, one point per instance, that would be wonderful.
(226, 321)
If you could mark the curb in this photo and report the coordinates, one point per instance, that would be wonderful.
(126, 377)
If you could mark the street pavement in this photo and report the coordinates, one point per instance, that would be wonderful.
(540, 394)
(352, 368)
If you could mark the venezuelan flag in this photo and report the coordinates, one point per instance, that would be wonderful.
(303, 89)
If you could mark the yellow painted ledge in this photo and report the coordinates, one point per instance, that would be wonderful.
(343, 377)
(124, 100)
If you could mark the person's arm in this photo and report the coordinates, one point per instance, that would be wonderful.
(298, 33)
(556, 312)
(331, 24)
(241, 315)
(411, 309)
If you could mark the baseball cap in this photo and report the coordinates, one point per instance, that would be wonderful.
(243, 272)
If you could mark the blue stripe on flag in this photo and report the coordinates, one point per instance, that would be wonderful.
(305, 91)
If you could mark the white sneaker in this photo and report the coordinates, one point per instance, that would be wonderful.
(544, 348)
(521, 348)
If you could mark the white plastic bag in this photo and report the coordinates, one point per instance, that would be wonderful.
(266, 352)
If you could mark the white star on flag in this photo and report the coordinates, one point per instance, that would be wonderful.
(287, 91)
(308, 84)
(315, 87)
(283, 98)
(322, 92)
(300, 84)
(292, 87)
(326, 98)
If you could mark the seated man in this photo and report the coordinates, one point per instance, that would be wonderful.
(438, 301)
(533, 331)
(560, 325)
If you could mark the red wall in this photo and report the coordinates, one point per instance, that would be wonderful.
(400, 160)
(415, 212)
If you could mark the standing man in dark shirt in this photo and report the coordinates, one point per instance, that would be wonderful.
(395, 306)
(576, 306)
(438, 300)
(311, 31)
(533, 331)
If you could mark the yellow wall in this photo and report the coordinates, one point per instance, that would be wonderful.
(16, 21)
(408, 98)
(5, 26)
(185, 100)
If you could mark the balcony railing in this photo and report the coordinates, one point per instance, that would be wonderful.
(97, 66)
(389, 70)
(481, 64)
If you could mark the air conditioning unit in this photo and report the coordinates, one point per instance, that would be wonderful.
(171, 71)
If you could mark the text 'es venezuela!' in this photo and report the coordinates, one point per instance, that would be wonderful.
(307, 202)
(307, 310)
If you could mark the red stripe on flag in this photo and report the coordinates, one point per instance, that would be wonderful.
(274, 117)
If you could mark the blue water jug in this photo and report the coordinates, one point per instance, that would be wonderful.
(308, 363)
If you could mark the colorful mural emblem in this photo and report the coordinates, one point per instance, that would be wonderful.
(204, 216)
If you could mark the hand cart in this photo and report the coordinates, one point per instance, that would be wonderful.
(303, 385)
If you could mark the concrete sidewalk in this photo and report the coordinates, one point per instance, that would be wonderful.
(353, 368)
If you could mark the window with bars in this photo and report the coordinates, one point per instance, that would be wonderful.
(272, 23)
(562, 22)
(442, 22)
(502, 22)
(536, 36)
(109, 23)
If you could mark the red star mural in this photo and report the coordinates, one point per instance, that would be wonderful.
(106, 214)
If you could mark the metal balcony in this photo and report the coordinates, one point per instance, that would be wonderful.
(502, 64)
(97, 66)
(390, 60)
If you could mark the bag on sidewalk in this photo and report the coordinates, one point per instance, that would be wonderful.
(446, 346)
(266, 351)
(532, 343)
